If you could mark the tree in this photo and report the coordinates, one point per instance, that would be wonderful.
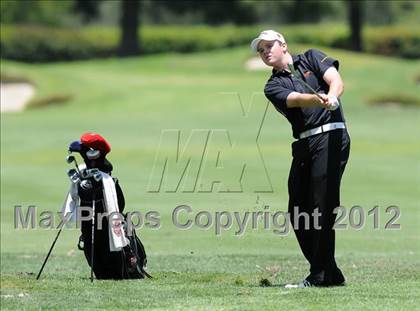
(306, 11)
(213, 12)
(89, 9)
(129, 44)
(355, 12)
(129, 23)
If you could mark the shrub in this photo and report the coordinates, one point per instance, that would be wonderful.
(43, 44)
(397, 41)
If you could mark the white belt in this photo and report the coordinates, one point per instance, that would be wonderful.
(323, 128)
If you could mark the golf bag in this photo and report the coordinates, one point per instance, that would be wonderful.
(127, 262)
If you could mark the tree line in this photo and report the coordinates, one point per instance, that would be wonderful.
(131, 14)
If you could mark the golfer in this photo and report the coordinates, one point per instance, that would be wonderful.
(306, 89)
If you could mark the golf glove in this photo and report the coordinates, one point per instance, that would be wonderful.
(333, 103)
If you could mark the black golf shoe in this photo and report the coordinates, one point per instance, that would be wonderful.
(338, 278)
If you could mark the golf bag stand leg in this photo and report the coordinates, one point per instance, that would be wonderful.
(49, 253)
(92, 244)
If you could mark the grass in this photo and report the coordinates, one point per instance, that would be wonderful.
(130, 102)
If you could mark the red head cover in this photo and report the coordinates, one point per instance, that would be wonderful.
(95, 141)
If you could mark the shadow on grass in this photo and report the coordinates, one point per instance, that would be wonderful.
(56, 99)
(395, 100)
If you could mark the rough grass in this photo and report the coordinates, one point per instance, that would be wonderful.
(130, 102)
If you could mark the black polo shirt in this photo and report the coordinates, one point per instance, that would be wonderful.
(311, 66)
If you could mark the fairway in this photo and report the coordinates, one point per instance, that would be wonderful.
(207, 108)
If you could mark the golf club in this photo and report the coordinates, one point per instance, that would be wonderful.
(92, 173)
(49, 253)
(70, 159)
(73, 175)
(297, 76)
(92, 245)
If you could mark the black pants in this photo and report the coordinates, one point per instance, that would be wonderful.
(314, 183)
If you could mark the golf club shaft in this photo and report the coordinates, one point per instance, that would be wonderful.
(48, 255)
(309, 87)
(296, 75)
(51, 248)
(77, 166)
(92, 245)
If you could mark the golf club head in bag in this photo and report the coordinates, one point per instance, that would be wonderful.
(74, 175)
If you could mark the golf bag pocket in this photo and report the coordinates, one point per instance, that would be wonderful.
(127, 263)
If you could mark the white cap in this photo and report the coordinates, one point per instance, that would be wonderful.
(267, 35)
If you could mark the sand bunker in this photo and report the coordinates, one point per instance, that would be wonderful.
(15, 96)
